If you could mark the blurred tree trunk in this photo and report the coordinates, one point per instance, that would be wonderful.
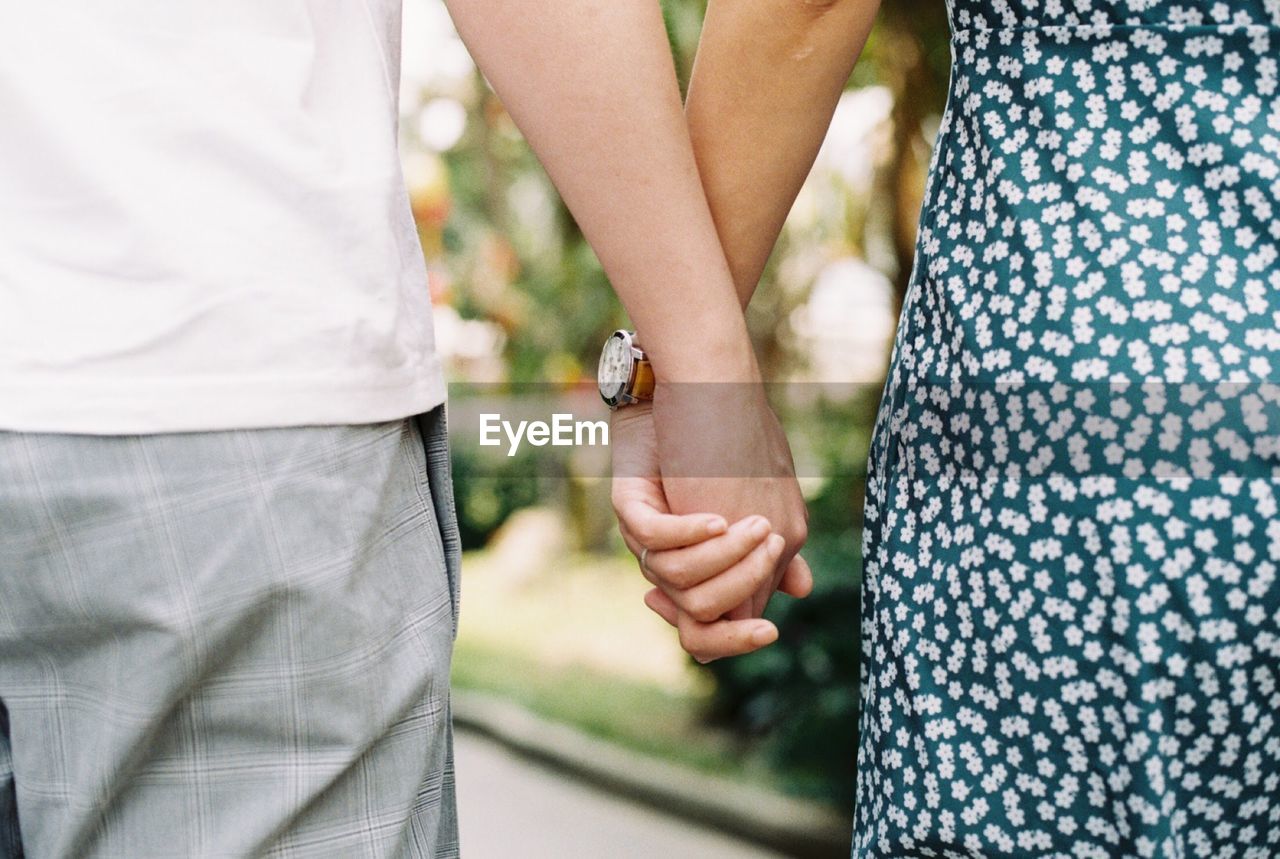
(913, 59)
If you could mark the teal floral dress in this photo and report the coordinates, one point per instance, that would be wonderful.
(1071, 608)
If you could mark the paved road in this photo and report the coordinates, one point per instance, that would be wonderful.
(511, 807)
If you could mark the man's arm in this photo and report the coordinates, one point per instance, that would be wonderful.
(765, 83)
(592, 85)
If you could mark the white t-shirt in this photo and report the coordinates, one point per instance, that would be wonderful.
(203, 223)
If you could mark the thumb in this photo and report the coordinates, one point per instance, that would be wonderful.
(797, 579)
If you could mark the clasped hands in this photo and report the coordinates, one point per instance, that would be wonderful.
(705, 492)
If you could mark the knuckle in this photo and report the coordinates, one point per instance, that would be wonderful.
(701, 609)
(642, 531)
(797, 534)
(677, 573)
(706, 615)
(688, 642)
(761, 571)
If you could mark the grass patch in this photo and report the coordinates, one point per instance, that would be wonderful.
(637, 715)
(568, 637)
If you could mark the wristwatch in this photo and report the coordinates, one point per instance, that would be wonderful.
(625, 375)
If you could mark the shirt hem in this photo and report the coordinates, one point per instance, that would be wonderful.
(155, 406)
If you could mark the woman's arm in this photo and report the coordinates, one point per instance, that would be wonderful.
(765, 84)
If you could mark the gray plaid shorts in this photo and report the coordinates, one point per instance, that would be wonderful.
(228, 643)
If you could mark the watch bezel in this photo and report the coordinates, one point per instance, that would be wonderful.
(622, 394)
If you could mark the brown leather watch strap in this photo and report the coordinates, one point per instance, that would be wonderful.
(644, 384)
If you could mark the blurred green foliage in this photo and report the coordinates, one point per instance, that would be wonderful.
(517, 259)
(485, 495)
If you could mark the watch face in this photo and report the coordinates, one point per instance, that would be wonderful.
(615, 368)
